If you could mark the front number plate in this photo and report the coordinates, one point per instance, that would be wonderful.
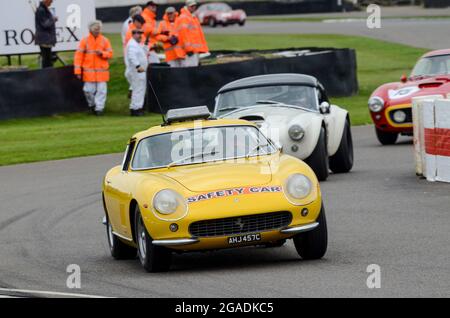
(248, 238)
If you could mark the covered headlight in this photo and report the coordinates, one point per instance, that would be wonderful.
(296, 132)
(376, 104)
(399, 116)
(298, 186)
(169, 202)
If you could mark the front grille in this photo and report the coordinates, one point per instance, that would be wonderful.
(241, 225)
(408, 112)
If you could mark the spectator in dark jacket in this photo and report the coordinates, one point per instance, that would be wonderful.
(45, 32)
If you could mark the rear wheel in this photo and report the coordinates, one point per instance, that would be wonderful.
(342, 160)
(153, 258)
(119, 250)
(318, 160)
(386, 138)
(313, 244)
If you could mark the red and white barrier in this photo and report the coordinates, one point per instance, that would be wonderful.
(431, 119)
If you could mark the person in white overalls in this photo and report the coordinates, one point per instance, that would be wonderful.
(136, 71)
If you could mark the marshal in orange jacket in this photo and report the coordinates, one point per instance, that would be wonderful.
(173, 52)
(92, 59)
(191, 33)
(150, 23)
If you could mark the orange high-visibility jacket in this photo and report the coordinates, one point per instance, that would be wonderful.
(173, 52)
(93, 67)
(148, 32)
(150, 22)
(191, 33)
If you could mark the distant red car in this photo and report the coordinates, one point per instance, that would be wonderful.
(213, 14)
(390, 104)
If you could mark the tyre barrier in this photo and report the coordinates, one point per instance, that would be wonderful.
(431, 121)
(40, 93)
(186, 87)
(436, 4)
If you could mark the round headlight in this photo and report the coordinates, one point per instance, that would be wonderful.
(298, 186)
(168, 202)
(399, 116)
(296, 132)
(376, 104)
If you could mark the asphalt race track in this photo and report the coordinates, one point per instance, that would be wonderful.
(381, 213)
(430, 34)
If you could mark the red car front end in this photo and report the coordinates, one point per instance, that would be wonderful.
(390, 105)
(214, 14)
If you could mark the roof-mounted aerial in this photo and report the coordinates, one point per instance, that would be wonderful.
(187, 114)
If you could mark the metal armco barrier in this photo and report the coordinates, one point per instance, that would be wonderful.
(186, 87)
(40, 93)
(432, 138)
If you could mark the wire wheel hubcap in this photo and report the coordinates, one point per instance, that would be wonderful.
(142, 240)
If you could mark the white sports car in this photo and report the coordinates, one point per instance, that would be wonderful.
(294, 111)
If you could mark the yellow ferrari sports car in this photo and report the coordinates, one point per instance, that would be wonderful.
(196, 183)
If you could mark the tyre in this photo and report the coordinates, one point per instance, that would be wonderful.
(386, 138)
(119, 250)
(242, 23)
(342, 160)
(275, 244)
(153, 258)
(212, 23)
(313, 244)
(318, 161)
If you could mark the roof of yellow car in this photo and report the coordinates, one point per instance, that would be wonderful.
(156, 130)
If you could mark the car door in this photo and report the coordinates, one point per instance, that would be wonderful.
(118, 195)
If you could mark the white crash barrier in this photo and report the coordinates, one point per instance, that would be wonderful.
(431, 121)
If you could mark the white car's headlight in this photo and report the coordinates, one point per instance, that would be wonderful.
(296, 132)
(376, 104)
(168, 202)
(298, 186)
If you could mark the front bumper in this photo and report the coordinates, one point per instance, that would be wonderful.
(182, 243)
(385, 119)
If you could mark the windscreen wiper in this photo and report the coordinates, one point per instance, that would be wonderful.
(228, 108)
(192, 157)
(268, 102)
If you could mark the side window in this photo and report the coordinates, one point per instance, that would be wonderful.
(128, 155)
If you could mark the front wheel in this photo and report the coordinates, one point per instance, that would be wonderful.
(342, 160)
(313, 244)
(153, 258)
(318, 161)
(386, 138)
(119, 250)
(212, 22)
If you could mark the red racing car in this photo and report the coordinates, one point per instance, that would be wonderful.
(390, 104)
(213, 14)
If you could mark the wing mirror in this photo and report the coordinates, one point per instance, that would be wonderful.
(403, 79)
(325, 108)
